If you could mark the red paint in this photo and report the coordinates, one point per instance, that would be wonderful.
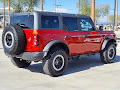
(80, 42)
(16, 23)
(94, 32)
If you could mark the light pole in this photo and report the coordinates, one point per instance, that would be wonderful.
(58, 6)
(79, 6)
(9, 12)
(4, 15)
(114, 15)
(55, 5)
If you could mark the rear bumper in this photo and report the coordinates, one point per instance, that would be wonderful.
(32, 56)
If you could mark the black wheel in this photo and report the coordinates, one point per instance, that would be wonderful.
(20, 62)
(56, 63)
(108, 54)
(13, 39)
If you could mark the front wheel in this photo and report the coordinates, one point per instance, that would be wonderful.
(56, 63)
(108, 54)
(20, 62)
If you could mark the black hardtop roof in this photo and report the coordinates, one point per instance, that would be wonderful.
(52, 13)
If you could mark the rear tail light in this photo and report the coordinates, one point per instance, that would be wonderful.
(16, 23)
(36, 40)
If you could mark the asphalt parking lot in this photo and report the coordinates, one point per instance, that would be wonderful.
(88, 73)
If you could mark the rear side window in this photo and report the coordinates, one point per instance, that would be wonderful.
(70, 24)
(28, 21)
(50, 22)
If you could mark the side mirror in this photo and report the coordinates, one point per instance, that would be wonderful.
(101, 28)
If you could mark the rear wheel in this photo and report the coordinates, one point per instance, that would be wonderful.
(108, 54)
(56, 63)
(20, 62)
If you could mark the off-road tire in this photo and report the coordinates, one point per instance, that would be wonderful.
(17, 39)
(20, 62)
(49, 67)
(105, 56)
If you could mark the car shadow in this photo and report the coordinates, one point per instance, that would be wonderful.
(76, 65)
(85, 63)
(36, 67)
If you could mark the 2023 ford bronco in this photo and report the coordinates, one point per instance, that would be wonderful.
(53, 38)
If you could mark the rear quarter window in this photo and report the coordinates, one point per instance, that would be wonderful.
(50, 22)
(23, 19)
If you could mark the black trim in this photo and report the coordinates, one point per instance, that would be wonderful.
(32, 56)
(37, 18)
(106, 41)
(50, 44)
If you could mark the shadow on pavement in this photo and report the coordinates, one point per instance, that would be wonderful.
(76, 65)
(38, 68)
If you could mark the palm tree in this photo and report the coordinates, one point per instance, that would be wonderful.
(93, 11)
(41, 1)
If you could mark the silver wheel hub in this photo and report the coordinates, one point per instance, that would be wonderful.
(9, 39)
(111, 53)
(58, 62)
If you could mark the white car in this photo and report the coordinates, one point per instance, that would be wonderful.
(118, 26)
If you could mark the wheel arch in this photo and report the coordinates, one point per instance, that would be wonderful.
(107, 40)
(57, 43)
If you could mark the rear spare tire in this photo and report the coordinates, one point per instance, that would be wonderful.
(13, 39)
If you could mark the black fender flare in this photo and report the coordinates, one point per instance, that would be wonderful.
(50, 44)
(106, 41)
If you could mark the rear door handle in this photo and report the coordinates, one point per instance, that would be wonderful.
(85, 36)
(67, 36)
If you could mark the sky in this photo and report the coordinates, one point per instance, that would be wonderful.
(70, 5)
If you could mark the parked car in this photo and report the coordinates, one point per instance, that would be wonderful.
(118, 26)
(53, 38)
(1, 24)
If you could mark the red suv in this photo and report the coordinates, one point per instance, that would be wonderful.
(53, 38)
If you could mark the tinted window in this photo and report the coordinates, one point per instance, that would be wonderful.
(86, 25)
(70, 24)
(49, 22)
(24, 19)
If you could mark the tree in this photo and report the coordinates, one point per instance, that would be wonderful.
(118, 18)
(85, 9)
(28, 4)
(16, 5)
(111, 18)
